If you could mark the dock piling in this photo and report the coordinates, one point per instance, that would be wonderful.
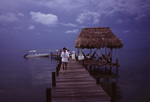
(97, 80)
(48, 95)
(53, 79)
(113, 92)
(117, 61)
(90, 70)
(57, 71)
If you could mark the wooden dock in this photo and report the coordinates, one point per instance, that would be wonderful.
(55, 55)
(77, 86)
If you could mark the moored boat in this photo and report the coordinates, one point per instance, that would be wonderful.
(37, 55)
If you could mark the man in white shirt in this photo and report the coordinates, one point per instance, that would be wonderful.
(65, 58)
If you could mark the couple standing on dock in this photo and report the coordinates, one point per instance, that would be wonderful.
(65, 58)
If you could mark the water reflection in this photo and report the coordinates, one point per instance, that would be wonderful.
(40, 70)
(24, 80)
(108, 80)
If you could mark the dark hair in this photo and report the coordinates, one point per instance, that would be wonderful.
(64, 48)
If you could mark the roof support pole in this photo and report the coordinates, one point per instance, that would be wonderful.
(98, 56)
(117, 54)
(117, 57)
(111, 56)
(77, 51)
(98, 53)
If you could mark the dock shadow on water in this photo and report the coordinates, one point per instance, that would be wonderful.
(107, 78)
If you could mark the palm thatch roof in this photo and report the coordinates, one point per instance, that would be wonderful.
(98, 37)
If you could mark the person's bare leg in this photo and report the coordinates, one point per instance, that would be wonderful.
(66, 67)
(63, 68)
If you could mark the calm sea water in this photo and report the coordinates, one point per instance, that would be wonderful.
(134, 74)
(26, 80)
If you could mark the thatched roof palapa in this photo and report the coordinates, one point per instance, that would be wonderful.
(98, 37)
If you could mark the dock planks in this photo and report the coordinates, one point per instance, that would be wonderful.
(77, 86)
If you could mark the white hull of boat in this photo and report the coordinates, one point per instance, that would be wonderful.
(38, 55)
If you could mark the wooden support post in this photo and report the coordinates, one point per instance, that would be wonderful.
(57, 70)
(59, 66)
(86, 66)
(48, 95)
(117, 57)
(110, 68)
(97, 80)
(90, 70)
(111, 56)
(117, 54)
(77, 51)
(57, 56)
(105, 69)
(76, 56)
(110, 71)
(116, 61)
(53, 79)
(113, 97)
(83, 62)
(99, 54)
(117, 70)
(94, 66)
(60, 60)
(51, 55)
(105, 51)
(98, 66)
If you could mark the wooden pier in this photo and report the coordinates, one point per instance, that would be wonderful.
(55, 55)
(77, 86)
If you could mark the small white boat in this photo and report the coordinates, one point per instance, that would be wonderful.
(37, 55)
(32, 51)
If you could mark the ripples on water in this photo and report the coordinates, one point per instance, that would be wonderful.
(24, 80)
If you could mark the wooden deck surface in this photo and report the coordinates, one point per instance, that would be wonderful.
(77, 86)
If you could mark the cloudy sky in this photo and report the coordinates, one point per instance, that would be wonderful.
(57, 23)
